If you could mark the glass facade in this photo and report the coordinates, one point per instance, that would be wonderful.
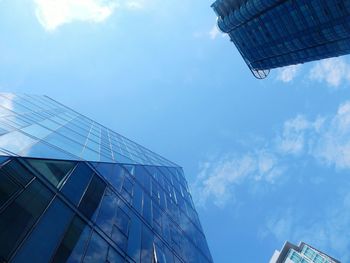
(277, 33)
(303, 253)
(118, 203)
(38, 126)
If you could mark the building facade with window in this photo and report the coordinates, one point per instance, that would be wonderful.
(277, 33)
(72, 190)
(303, 253)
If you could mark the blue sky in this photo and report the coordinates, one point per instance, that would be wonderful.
(267, 160)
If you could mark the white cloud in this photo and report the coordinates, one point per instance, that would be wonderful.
(281, 226)
(217, 179)
(333, 146)
(292, 138)
(214, 32)
(325, 139)
(134, 4)
(333, 71)
(287, 74)
(137, 4)
(54, 13)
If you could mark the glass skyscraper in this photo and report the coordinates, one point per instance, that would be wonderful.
(72, 190)
(277, 33)
(303, 253)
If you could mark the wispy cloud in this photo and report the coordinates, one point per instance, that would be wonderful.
(52, 14)
(139, 4)
(287, 74)
(217, 179)
(333, 146)
(214, 32)
(325, 139)
(296, 133)
(333, 71)
(135, 4)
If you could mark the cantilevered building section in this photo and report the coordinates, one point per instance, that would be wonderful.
(277, 33)
(72, 190)
(303, 253)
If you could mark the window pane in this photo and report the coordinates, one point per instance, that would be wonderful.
(17, 171)
(92, 197)
(7, 188)
(63, 142)
(122, 221)
(147, 245)
(19, 217)
(137, 199)
(147, 213)
(3, 159)
(43, 149)
(54, 171)
(107, 211)
(134, 241)
(114, 256)
(16, 141)
(37, 131)
(77, 183)
(72, 246)
(97, 250)
(43, 240)
(113, 173)
(119, 238)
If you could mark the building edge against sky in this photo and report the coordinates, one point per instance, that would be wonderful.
(276, 33)
(304, 253)
(73, 190)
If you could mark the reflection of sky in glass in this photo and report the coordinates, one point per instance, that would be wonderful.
(97, 250)
(16, 141)
(29, 121)
(36, 126)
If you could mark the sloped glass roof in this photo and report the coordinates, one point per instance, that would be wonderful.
(38, 126)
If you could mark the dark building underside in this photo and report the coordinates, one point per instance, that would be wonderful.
(277, 33)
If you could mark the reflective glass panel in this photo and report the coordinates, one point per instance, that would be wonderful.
(73, 243)
(114, 257)
(52, 170)
(16, 170)
(17, 219)
(42, 242)
(37, 131)
(7, 188)
(42, 149)
(77, 183)
(97, 250)
(147, 245)
(16, 141)
(106, 216)
(92, 196)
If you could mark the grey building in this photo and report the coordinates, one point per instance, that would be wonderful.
(277, 33)
(303, 253)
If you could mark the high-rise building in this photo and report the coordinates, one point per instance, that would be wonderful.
(277, 33)
(303, 253)
(72, 190)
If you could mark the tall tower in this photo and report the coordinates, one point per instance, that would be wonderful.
(72, 190)
(277, 33)
(303, 253)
